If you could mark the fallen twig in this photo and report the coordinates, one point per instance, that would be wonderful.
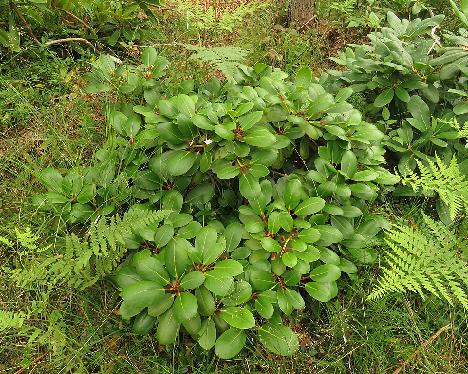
(68, 40)
(435, 38)
(422, 347)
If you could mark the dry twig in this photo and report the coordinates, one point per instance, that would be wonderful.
(422, 347)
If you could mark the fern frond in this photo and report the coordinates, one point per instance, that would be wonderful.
(463, 133)
(446, 180)
(11, 320)
(225, 59)
(81, 264)
(424, 260)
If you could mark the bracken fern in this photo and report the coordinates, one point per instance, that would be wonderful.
(425, 260)
(446, 180)
(80, 264)
(9, 320)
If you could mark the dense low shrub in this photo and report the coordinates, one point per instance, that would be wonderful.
(241, 200)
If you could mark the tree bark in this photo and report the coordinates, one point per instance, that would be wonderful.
(301, 13)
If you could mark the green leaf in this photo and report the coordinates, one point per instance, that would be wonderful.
(249, 120)
(233, 234)
(52, 179)
(193, 325)
(230, 343)
(328, 235)
(289, 259)
(402, 94)
(161, 306)
(264, 307)
(303, 77)
(294, 298)
(227, 171)
(260, 137)
(461, 108)
(293, 193)
(325, 273)
(207, 244)
(311, 254)
(309, 235)
(349, 163)
(270, 245)
(310, 206)
(238, 317)
(143, 323)
(149, 56)
(385, 97)
(202, 122)
(176, 257)
(218, 282)
(126, 275)
(192, 280)
(278, 339)
(322, 291)
(277, 220)
(150, 268)
(207, 337)
(365, 176)
(138, 296)
(206, 302)
(229, 267)
(86, 194)
(179, 162)
(343, 94)
(261, 280)
(163, 235)
(185, 105)
(249, 186)
(185, 307)
(284, 302)
(420, 111)
(241, 294)
(168, 328)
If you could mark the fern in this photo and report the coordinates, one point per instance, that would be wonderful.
(225, 59)
(81, 264)
(446, 180)
(9, 320)
(463, 133)
(425, 260)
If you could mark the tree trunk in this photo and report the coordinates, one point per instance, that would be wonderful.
(301, 13)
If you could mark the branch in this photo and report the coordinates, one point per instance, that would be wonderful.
(68, 40)
(435, 38)
(78, 19)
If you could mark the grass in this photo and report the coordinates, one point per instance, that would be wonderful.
(46, 120)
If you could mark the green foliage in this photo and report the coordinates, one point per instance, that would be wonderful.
(268, 179)
(416, 96)
(91, 19)
(245, 200)
(213, 20)
(81, 263)
(225, 59)
(11, 320)
(445, 180)
(425, 260)
(461, 12)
